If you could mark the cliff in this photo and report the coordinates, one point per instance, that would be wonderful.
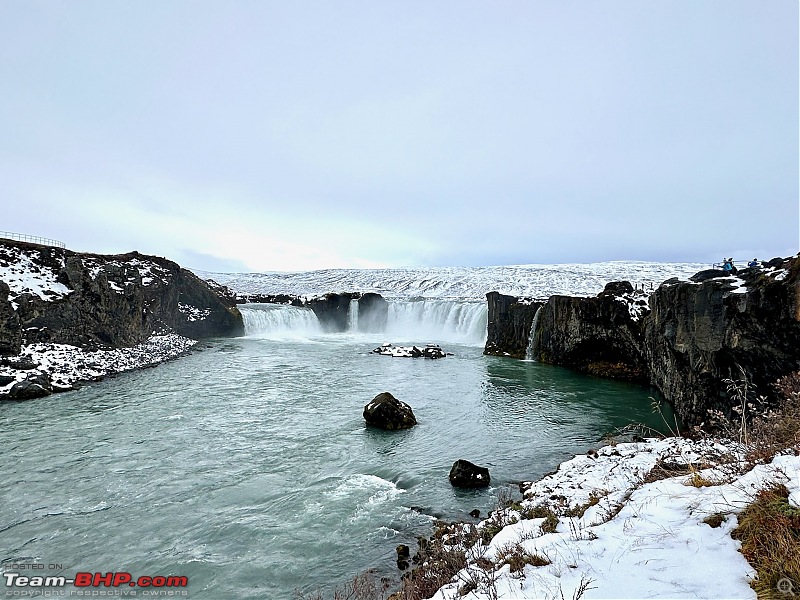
(601, 336)
(688, 338)
(96, 302)
(509, 323)
(700, 334)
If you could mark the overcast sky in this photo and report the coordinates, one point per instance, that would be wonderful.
(271, 135)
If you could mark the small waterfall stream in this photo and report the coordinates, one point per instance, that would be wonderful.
(531, 350)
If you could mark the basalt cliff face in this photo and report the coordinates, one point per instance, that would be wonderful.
(602, 336)
(92, 301)
(509, 324)
(698, 335)
(688, 338)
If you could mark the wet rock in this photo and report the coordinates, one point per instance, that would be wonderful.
(475, 514)
(468, 475)
(387, 412)
(403, 556)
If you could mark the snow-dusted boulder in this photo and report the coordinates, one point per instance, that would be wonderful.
(387, 412)
(36, 385)
(468, 475)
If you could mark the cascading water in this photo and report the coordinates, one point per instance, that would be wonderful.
(422, 321)
(352, 316)
(277, 320)
(416, 321)
(530, 351)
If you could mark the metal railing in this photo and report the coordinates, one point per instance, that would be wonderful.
(35, 239)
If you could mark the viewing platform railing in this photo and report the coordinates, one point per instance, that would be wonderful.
(35, 239)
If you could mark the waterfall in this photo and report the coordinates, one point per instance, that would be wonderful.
(531, 350)
(352, 316)
(278, 320)
(422, 321)
(414, 321)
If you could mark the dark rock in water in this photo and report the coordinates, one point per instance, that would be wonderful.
(387, 412)
(707, 274)
(35, 386)
(468, 475)
(509, 325)
(428, 351)
(403, 556)
(476, 514)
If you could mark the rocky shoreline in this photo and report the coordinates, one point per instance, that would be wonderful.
(634, 520)
(68, 317)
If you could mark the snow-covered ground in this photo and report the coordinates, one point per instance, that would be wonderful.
(66, 365)
(539, 281)
(24, 274)
(639, 537)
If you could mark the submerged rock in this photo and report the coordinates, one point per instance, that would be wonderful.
(468, 475)
(387, 412)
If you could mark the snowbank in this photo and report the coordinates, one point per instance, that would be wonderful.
(630, 525)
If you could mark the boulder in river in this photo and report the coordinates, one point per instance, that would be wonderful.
(468, 475)
(387, 412)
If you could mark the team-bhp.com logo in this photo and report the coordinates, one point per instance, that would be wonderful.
(36, 585)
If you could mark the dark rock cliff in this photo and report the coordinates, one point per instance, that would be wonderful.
(333, 310)
(700, 334)
(10, 331)
(509, 324)
(689, 338)
(601, 336)
(98, 301)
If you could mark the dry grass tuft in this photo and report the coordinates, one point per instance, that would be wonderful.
(769, 530)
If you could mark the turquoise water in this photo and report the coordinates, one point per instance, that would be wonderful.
(247, 466)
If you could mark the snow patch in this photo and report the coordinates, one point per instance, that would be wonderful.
(636, 539)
